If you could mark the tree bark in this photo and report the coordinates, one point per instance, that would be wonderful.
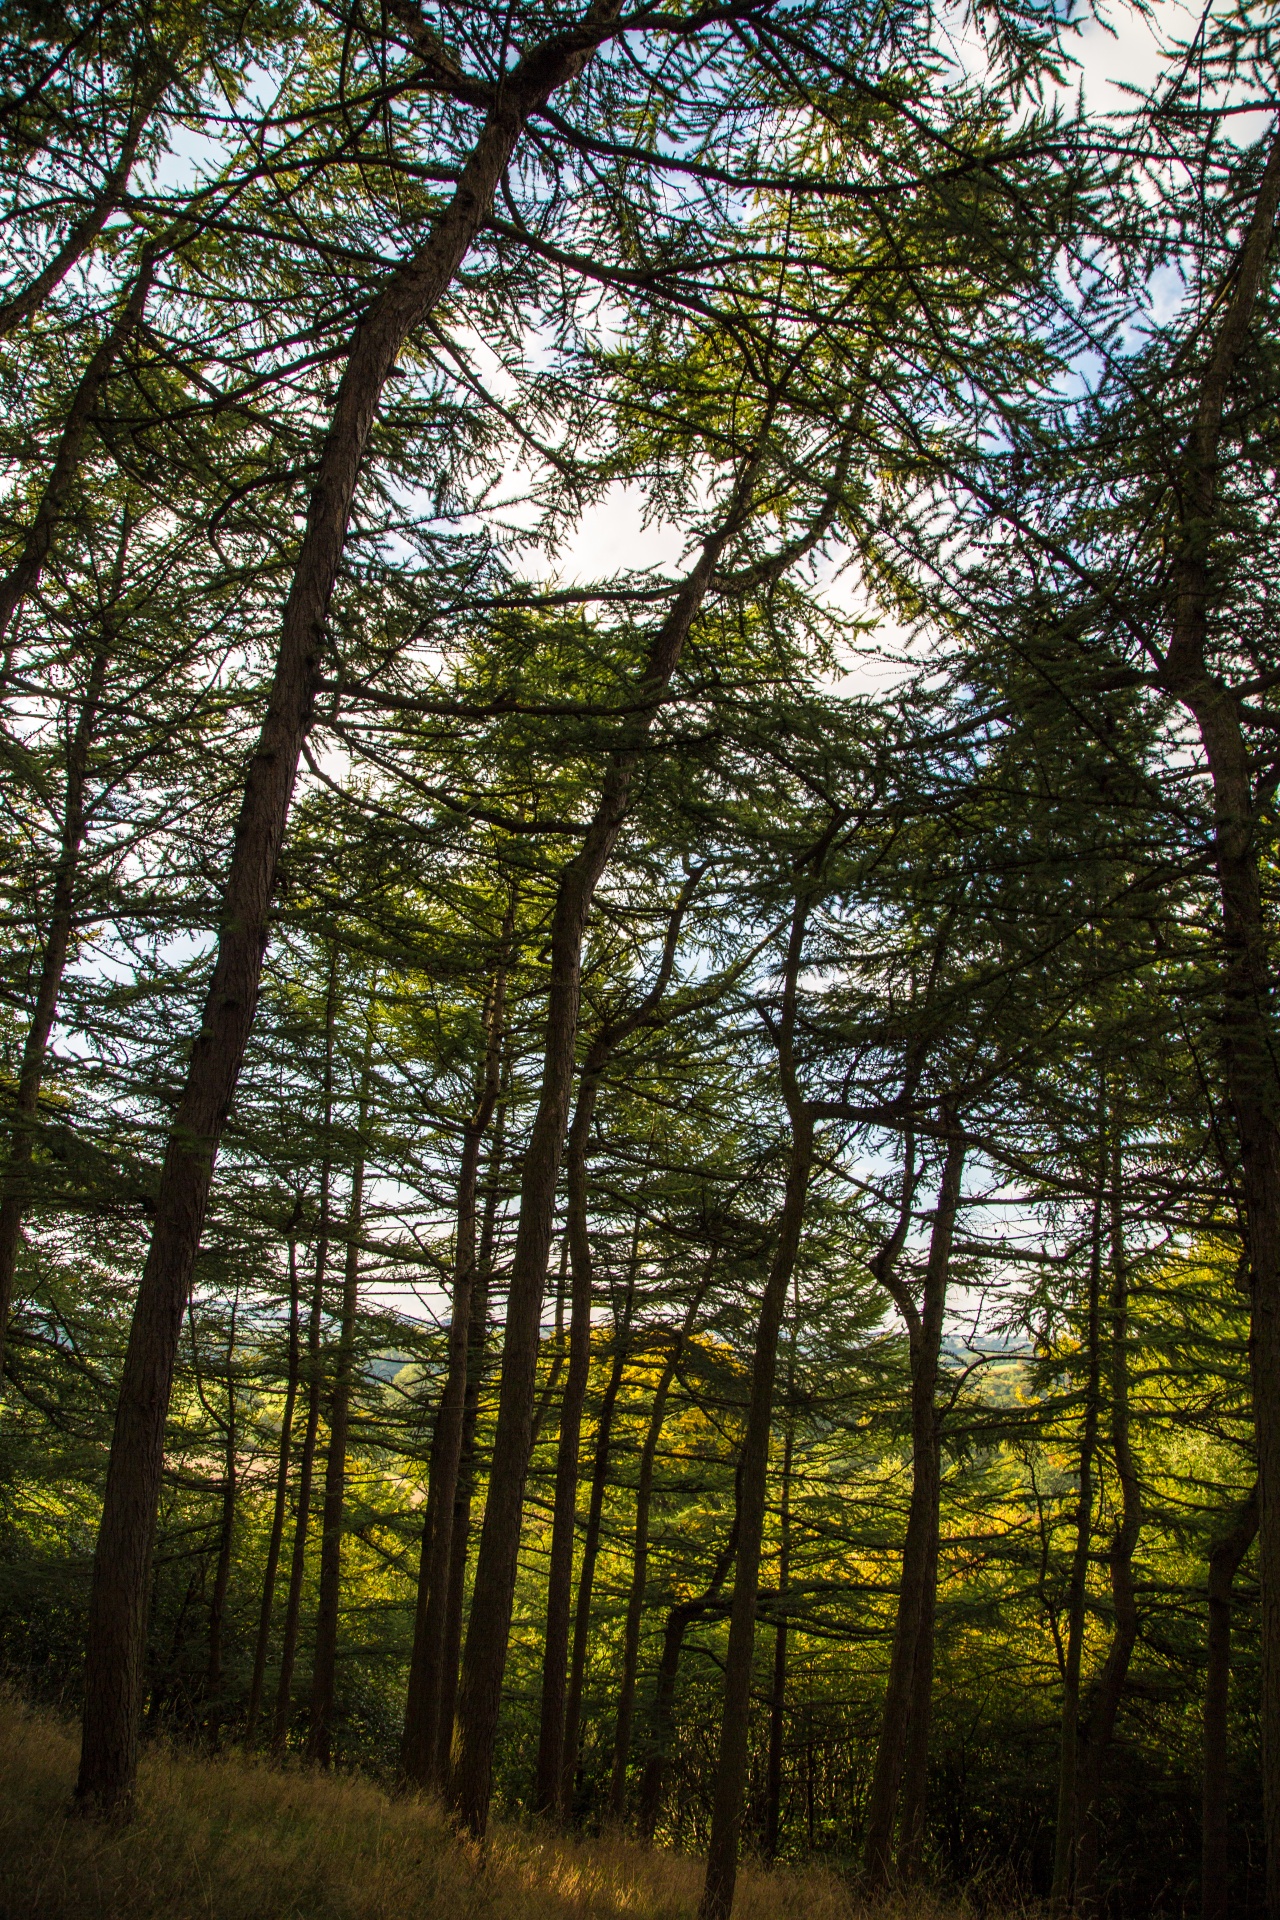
(731, 1771)
(1247, 1011)
(275, 1539)
(1077, 1586)
(484, 1658)
(1224, 1564)
(591, 1541)
(118, 1598)
(324, 1668)
(53, 963)
(897, 1796)
(420, 1742)
(315, 1383)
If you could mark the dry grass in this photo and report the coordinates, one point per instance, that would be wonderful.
(235, 1839)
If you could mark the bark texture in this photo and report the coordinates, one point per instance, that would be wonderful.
(118, 1600)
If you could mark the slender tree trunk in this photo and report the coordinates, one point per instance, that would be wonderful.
(1077, 1587)
(591, 1538)
(275, 1539)
(778, 1691)
(118, 1598)
(1098, 1725)
(226, 1539)
(25, 572)
(52, 966)
(476, 1347)
(640, 1561)
(420, 1741)
(1224, 1564)
(315, 1384)
(909, 1688)
(731, 1772)
(663, 1724)
(1248, 1006)
(484, 1658)
(324, 1668)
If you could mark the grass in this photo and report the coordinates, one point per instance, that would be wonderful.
(235, 1839)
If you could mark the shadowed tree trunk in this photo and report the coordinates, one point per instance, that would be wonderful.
(324, 1669)
(484, 1658)
(226, 1537)
(1077, 1585)
(591, 1537)
(421, 1742)
(731, 1771)
(275, 1538)
(121, 1572)
(778, 1691)
(53, 960)
(315, 1385)
(1224, 1564)
(896, 1802)
(640, 1559)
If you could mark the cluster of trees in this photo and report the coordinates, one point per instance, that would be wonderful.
(619, 1191)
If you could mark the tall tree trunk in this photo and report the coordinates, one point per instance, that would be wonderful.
(420, 1742)
(909, 1688)
(640, 1560)
(118, 1598)
(484, 1658)
(460, 1538)
(731, 1771)
(324, 1667)
(1098, 1724)
(275, 1539)
(662, 1729)
(25, 572)
(1248, 1006)
(778, 1691)
(315, 1387)
(1077, 1585)
(226, 1540)
(1224, 1564)
(591, 1537)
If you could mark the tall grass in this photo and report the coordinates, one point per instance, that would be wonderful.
(235, 1839)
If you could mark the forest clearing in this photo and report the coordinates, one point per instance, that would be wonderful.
(639, 1072)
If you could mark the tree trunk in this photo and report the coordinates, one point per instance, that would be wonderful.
(52, 966)
(276, 1537)
(591, 1539)
(315, 1383)
(897, 1794)
(1224, 1564)
(1098, 1725)
(778, 1691)
(1247, 1010)
(731, 1771)
(484, 1658)
(640, 1561)
(226, 1538)
(118, 1598)
(420, 1741)
(477, 1342)
(1077, 1588)
(324, 1668)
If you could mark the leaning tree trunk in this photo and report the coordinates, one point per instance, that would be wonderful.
(897, 1796)
(324, 1668)
(1064, 1851)
(275, 1539)
(1224, 1564)
(1247, 995)
(315, 1383)
(420, 1741)
(121, 1572)
(731, 1771)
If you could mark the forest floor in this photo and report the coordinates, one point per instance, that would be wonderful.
(236, 1839)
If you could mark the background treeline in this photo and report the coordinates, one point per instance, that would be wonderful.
(740, 1291)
